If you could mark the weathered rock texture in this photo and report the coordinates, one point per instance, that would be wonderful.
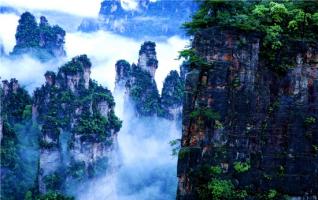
(78, 126)
(239, 111)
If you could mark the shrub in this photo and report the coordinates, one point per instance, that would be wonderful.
(241, 167)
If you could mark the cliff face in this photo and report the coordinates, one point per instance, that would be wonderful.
(78, 126)
(245, 127)
(138, 83)
(172, 96)
(39, 40)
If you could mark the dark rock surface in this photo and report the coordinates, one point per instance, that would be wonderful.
(249, 114)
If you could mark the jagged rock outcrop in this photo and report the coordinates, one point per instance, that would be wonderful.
(39, 40)
(148, 58)
(138, 80)
(172, 96)
(245, 128)
(79, 126)
(139, 85)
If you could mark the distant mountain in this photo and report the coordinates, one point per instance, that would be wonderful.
(150, 19)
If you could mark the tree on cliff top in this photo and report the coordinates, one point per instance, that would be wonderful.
(279, 22)
(28, 33)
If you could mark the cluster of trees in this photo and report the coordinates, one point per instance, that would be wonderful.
(42, 39)
(279, 22)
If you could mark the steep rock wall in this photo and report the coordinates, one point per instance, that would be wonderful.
(238, 113)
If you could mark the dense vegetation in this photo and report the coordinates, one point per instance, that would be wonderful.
(41, 40)
(279, 23)
(56, 105)
(144, 92)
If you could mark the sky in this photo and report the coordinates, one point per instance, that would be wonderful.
(103, 48)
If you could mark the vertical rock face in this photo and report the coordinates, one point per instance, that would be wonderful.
(172, 96)
(40, 40)
(123, 71)
(259, 129)
(78, 126)
(148, 58)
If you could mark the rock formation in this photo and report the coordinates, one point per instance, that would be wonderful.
(172, 96)
(138, 82)
(247, 130)
(79, 126)
(40, 40)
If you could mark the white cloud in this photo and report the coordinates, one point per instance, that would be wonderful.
(8, 24)
(105, 49)
(84, 8)
(28, 71)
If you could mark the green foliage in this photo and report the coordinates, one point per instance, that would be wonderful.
(241, 167)
(175, 145)
(278, 21)
(271, 194)
(216, 170)
(205, 113)
(194, 60)
(15, 102)
(218, 124)
(27, 112)
(40, 39)
(8, 148)
(28, 33)
(310, 121)
(144, 92)
(221, 189)
(172, 91)
(28, 196)
(92, 125)
(224, 190)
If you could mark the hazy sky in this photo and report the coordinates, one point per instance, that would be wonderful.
(104, 48)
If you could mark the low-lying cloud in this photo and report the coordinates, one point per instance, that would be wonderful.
(105, 48)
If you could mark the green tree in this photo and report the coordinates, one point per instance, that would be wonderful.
(28, 33)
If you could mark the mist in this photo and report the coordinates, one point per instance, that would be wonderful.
(142, 167)
(145, 166)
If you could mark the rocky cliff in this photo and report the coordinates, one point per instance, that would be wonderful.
(138, 83)
(40, 40)
(248, 132)
(79, 126)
